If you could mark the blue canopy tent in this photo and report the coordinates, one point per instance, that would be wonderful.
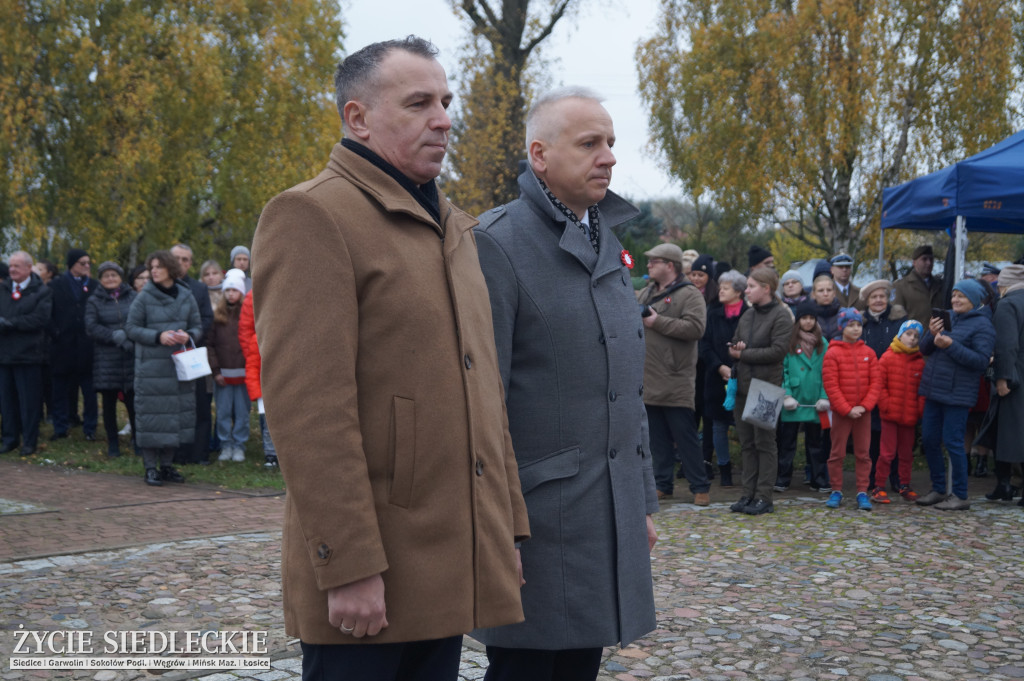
(982, 193)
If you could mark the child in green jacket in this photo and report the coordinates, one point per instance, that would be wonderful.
(805, 398)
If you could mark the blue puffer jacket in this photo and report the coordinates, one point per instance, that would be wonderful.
(951, 374)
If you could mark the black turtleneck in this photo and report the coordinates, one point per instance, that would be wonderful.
(425, 194)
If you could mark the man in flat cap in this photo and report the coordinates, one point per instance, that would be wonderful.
(919, 291)
(847, 293)
(675, 315)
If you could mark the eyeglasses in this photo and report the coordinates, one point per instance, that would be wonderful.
(657, 261)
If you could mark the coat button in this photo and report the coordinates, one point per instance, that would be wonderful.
(641, 391)
(468, 361)
(479, 467)
(640, 332)
(612, 396)
(323, 551)
(600, 339)
(613, 454)
(640, 450)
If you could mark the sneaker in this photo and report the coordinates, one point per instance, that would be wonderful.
(953, 503)
(225, 454)
(270, 461)
(907, 493)
(780, 488)
(834, 500)
(879, 496)
(238, 455)
(863, 503)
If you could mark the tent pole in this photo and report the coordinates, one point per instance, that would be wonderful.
(961, 246)
(881, 253)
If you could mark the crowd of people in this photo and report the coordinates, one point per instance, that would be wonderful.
(68, 340)
(874, 371)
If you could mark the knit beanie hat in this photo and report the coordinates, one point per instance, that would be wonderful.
(911, 324)
(239, 250)
(704, 263)
(1011, 275)
(821, 267)
(974, 290)
(74, 255)
(847, 315)
(108, 265)
(757, 255)
(789, 276)
(806, 308)
(235, 278)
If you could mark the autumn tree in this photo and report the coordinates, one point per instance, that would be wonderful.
(129, 126)
(799, 113)
(488, 136)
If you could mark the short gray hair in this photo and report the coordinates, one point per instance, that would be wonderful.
(21, 255)
(546, 100)
(356, 75)
(733, 278)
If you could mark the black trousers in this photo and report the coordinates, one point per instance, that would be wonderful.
(198, 450)
(436, 660)
(678, 425)
(527, 664)
(110, 412)
(21, 403)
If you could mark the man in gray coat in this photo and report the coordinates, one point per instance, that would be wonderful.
(570, 346)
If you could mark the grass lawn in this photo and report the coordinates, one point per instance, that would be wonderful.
(76, 453)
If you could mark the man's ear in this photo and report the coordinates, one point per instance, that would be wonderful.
(537, 154)
(355, 114)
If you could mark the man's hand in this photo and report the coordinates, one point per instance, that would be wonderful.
(652, 534)
(358, 609)
(1002, 387)
(857, 412)
(519, 567)
(649, 319)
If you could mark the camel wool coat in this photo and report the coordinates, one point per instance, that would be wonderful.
(382, 392)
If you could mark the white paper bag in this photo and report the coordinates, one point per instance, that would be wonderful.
(764, 404)
(191, 363)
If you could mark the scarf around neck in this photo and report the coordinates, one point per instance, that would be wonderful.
(901, 348)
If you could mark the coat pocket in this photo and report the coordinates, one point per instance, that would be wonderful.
(564, 463)
(403, 451)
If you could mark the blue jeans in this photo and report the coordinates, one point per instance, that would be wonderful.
(232, 414)
(945, 424)
(721, 437)
(268, 444)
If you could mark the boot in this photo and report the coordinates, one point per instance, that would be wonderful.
(710, 469)
(153, 477)
(113, 450)
(1002, 492)
(981, 465)
(169, 474)
(725, 470)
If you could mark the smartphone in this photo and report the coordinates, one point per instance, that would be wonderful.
(947, 324)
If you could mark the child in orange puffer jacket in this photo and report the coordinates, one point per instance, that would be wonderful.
(900, 407)
(852, 382)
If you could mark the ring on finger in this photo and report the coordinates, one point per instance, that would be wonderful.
(346, 630)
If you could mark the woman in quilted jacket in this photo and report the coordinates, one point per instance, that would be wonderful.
(900, 408)
(956, 359)
(852, 381)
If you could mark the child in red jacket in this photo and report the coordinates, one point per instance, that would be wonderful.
(852, 382)
(900, 407)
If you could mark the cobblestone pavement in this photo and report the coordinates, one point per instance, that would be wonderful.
(903, 593)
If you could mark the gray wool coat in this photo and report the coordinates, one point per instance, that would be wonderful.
(1008, 364)
(165, 408)
(571, 355)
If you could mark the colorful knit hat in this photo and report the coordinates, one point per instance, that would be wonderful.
(847, 315)
(911, 324)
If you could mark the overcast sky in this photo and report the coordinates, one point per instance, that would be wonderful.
(595, 51)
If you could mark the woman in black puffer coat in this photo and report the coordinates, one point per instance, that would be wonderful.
(113, 355)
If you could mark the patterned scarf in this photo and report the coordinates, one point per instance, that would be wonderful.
(595, 219)
(809, 340)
